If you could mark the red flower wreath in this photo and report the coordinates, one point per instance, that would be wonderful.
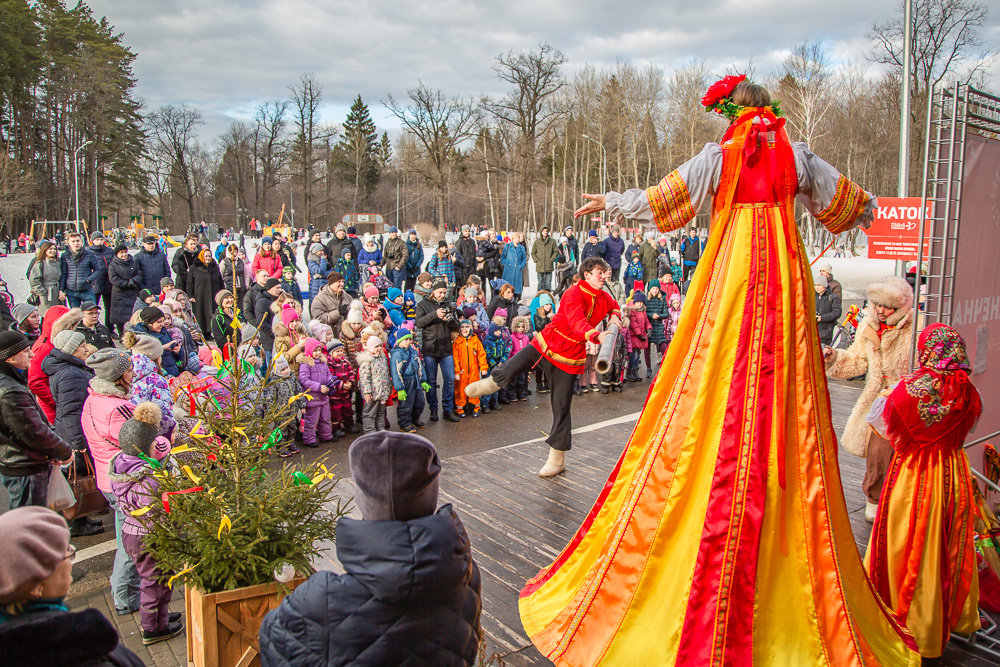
(721, 89)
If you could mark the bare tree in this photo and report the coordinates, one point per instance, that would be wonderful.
(236, 166)
(310, 137)
(440, 125)
(173, 130)
(268, 150)
(534, 77)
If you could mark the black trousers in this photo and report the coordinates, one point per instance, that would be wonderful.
(106, 297)
(560, 382)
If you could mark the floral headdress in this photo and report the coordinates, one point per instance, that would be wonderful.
(719, 98)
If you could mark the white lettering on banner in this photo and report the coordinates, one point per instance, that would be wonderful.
(973, 311)
(897, 213)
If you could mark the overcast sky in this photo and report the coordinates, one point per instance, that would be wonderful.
(225, 56)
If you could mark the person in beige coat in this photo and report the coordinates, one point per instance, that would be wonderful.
(331, 303)
(882, 349)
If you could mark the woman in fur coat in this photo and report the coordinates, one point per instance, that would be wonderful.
(881, 348)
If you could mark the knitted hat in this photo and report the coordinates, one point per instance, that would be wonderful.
(442, 244)
(393, 230)
(394, 293)
(288, 269)
(471, 292)
(638, 297)
(563, 239)
(333, 344)
(267, 239)
(412, 231)
(500, 312)
(165, 282)
(354, 313)
(110, 363)
(288, 314)
(318, 330)
(280, 364)
(145, 294)
(592, 232)
(68, 341)
(316, 248)
(167, 308)
(12, 342)
(271, 283)
(465, 228)
(147, 346)
(820, 280)
(247, 332)
(334, 277)
(373, 344)
(439, 284)
(150, 314)
(371, 291)
(653, 283)
(222, 294)
(120, 247)
(635, 253)
(826, 266)
(21, 311)
(96, 235)
(424, 277)
(33, 542)
(340, 228)
(352, 230)
(409, 296)
(404, 336)
(395, 476)
(469, 311)
(138, 433)
(345, 252)
(465, 321)
(310, 346)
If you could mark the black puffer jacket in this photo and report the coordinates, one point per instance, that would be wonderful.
(105, 256)
(124, 277)
(63, 638)
(828, 312)
(27, 442)
(436, 333)
(410, 596)
(69, 380)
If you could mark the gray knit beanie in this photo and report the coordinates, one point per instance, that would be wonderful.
(395, 476)
(110, 363)
(147, 346)
(138, 433)
(21, 311)
(68, 341)
(247, 333)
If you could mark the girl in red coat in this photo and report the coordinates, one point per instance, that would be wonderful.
(638, 332)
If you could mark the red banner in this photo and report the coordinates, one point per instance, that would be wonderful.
(895, 232)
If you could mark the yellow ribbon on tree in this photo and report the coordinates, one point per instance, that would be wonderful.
(171, 580)
(225, 524)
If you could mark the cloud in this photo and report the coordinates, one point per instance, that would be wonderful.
(225, 56)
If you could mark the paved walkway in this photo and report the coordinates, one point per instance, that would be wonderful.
(518, 523)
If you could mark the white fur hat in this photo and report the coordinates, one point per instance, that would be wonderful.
(892, 291)
(354, 313)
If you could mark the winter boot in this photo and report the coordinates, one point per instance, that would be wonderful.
(481, 388)
(555, 464)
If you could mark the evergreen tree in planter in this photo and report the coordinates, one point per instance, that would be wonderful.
(226, 519)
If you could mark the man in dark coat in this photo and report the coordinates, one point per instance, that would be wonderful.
(466, 246)
(436, 321)
(691, 249)
(102, 288)
(410, 593)
(124, 277)
(184, 259)
(395, 255)
(593, 247)
(544, 252)
(827, 310)
(573, 242)
(28, 445)
(151, 265)
(262, 315)
(81, 271)
(415, 258)
(335, 246)
(614, 246)
(94, 333)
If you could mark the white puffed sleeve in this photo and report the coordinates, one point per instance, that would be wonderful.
(835, 201)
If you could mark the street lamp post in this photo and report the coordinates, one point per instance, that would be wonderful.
(397, 197)
(904, 113)
(76, 176)
(604, 170)
(507, 218)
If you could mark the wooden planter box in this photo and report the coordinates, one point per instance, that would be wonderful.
(222, 627)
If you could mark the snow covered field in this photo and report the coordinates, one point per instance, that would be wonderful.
(854, 273)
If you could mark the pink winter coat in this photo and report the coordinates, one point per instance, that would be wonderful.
(638, 329)
(314, 374)
(102, 418)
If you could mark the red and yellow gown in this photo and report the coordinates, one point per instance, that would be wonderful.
(722, 536)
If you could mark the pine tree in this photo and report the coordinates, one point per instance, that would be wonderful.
(384, 151)
(357, 154)
(222, 516)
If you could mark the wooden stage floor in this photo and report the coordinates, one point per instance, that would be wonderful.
(518, 522)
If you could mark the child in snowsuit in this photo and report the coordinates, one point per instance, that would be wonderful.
(284, 384)
(497, 344)
(633, 271)
(408, 378)
(409, 305)
(315, 378)
(347, 268)
(341, 401)
(134, 486)
(638, 331)
(376, 384)
(470, 366)
(517, 390)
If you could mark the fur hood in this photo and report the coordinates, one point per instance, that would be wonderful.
(364, 358)
(894, 292)
(304, 359)
(67, 322)
(520, 319)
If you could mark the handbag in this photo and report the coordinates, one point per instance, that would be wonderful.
(34, 299)
(89, 499)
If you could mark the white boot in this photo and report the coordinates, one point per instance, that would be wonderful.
(871, 509)
(555, 464)
(483, 387)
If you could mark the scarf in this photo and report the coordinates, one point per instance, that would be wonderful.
(938, 404)
(34, 607)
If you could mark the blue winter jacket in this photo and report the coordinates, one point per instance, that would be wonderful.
(364, 257)
(513, 259)
(151, 268)
(105, 256)
(406, 369)
(83, 274)
(317, 267)
(613, 249)
(410, 595)
(414, 258)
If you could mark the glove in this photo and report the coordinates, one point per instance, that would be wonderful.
(426, 387)
(402, 394)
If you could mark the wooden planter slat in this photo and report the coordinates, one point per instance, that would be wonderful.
(223, 627)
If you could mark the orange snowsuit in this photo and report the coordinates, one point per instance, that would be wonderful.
(470, 365)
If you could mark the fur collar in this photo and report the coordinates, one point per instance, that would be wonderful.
(365, 357)
(105, 388)
(303, 359)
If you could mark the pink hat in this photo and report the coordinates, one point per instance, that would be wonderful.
(288, 314)
(373, 344)
(310, 346)
(500, 312)
(370, 291)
